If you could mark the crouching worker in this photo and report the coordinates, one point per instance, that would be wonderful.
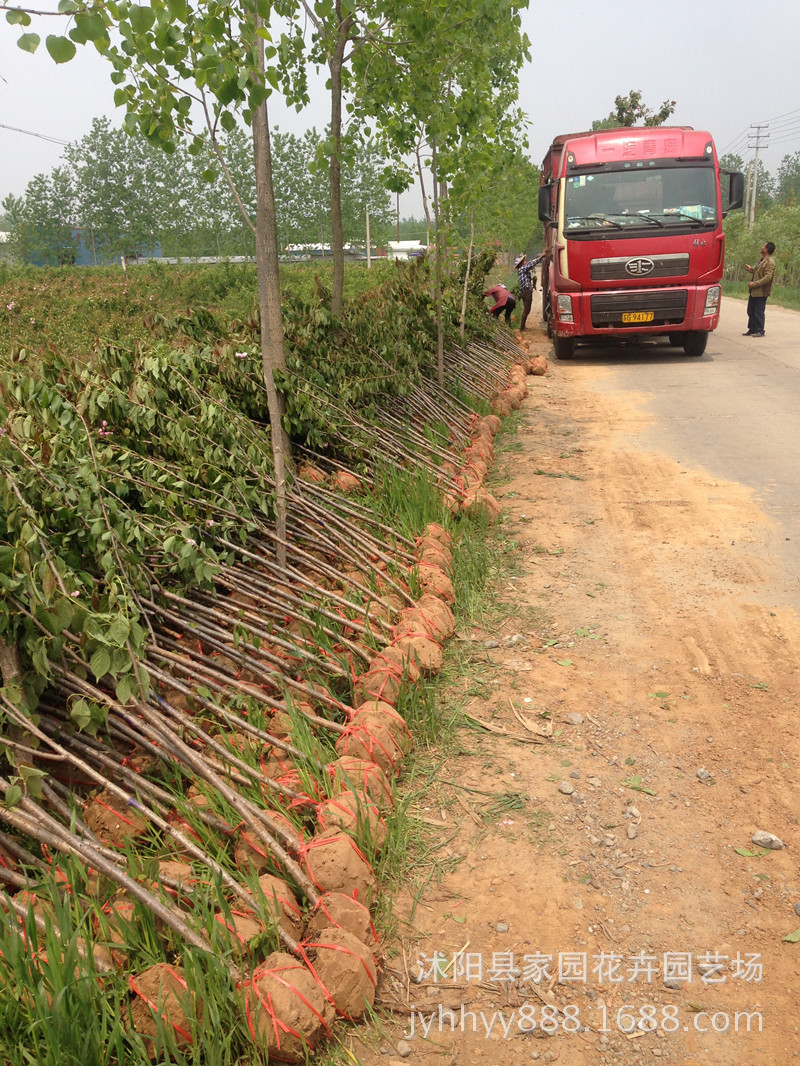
(504, 302)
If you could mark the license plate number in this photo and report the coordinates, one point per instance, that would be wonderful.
(638, 316)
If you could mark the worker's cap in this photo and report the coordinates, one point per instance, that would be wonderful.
(518, 260)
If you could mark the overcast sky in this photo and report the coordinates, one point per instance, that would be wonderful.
(729, 64)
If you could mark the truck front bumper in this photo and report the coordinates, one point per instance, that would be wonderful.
(620, 313)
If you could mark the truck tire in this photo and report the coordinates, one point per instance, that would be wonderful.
(564, 347)
(547, 310)
(694, 342)
(676, 340)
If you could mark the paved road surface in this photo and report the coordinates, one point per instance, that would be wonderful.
(735, 412)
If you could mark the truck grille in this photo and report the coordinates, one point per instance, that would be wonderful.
(668, 307)
(654, 266)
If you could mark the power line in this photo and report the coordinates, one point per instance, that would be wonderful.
(30, 133)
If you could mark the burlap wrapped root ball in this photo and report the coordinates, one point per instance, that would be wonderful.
(276, 899)
(344, 968)
(501, 404)
(378, 733)
(481, 502)
(474, 473)
(161, 1001)
(432, 553)
(439, 611)
(287, 1012)
(436, 582)
(353, 813)
(112, 820)
(251, 853)
(538, 366)
(343, 912)
(384, 680)
(240, 928)
(345, 481)
(428, 541)
(335, 863)
(424, 651)
(439, 533)
(348, 773)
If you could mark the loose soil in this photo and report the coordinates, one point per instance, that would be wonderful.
(640, 665)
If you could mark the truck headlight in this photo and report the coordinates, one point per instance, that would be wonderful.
(712, 300)
(564, 306)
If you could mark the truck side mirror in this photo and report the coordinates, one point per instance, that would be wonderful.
(546, 202)
(735, 192)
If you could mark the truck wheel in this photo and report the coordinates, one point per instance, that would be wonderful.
(564, 347)
(694, 343)
(676, 340)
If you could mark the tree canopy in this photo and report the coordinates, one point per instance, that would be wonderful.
(630, 109)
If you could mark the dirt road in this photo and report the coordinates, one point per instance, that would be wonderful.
(592, 894)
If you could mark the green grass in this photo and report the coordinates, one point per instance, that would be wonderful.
(781, 295)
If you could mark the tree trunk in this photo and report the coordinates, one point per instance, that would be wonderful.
(269, 303)
(335, 63)
(462, 323)
(438, 274)
(9, 662)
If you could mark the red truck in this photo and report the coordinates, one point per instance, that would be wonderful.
(633, 241)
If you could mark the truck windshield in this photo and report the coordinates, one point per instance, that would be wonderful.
(665, 198)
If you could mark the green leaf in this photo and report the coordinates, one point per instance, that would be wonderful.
(119, 631)
(88, 27)
(142, 18)
(752, 854)
(14, 795)
(100, 663)
(635, 782)
(126, 687)
(658, 695)
(18, 18)
(564, 662)
(792, 938)
(460, 918)
(630, 761)
(61, 49)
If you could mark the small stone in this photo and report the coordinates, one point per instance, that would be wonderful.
(633, 832)
(797, 909)
(575, 775)
(704, 775)
(578, 797)
(634, 812)
(673, 983)
(501, 927)
(595, 782)
(403, 1049)
(763, 839)
(578, 904)
(566, 787)
(574, 718)
(431, 991)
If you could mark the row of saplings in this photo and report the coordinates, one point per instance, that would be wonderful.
(291, 999)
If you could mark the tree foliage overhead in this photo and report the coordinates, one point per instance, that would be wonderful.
(630, 109)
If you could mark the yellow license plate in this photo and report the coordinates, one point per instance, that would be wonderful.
(638, 316)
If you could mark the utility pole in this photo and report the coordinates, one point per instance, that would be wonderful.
(748, 188)
(369, 244)
(758, 127)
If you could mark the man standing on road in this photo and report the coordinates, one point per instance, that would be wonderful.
(760, 288)
(527, 283)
